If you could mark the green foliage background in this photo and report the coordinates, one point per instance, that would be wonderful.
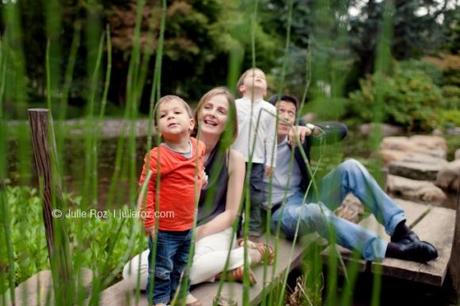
(91, 238)
(368, 66)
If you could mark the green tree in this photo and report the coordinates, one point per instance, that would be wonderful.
(410, 98)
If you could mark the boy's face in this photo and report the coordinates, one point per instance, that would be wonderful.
(173, 119)
(254, 81)
(286, 112)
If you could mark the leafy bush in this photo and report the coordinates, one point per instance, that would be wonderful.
(451, 97)
(449, 64)
(428, 68)
(449, 118)
(407, 98)
(100, 241)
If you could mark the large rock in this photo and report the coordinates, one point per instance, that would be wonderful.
(429, 142)
(448, 177)
(385, 129)
(421, 191)
(424, 169)
(399, 148)
(389, 156)
(351, 209)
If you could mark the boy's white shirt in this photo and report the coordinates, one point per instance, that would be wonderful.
(266, 140)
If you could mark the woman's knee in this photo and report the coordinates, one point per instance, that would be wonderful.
(135, 271)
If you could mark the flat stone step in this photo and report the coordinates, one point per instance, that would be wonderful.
(414, 190)
(415, 170)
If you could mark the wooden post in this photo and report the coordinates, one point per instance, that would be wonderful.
(58, 248)
(38, 119)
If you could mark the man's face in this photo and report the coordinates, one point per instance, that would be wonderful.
(286, 112)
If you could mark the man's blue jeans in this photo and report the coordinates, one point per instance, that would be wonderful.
(349, 176)
(171, 258)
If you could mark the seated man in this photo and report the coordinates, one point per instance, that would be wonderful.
(291, 182)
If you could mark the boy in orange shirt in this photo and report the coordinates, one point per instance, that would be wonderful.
(174, 163)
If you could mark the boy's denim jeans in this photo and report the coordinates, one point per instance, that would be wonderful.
(171, 258)
(257, 195)
(349, 176)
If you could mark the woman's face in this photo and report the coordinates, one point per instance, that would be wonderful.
(213, 115)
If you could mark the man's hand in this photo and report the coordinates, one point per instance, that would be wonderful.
(268, 171)
(297, 134)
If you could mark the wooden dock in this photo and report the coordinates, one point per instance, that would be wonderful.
(288, 257)
(433, 224)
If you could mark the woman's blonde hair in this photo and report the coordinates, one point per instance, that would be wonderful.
(231, 125)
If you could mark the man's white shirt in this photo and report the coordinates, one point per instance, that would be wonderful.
(249, 113)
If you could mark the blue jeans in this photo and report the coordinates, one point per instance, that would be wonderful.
(171, 258)
(349, 176)
(257, 197)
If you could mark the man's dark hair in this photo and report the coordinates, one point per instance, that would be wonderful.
(274, 99)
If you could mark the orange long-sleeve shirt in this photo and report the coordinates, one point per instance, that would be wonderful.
(178, 176)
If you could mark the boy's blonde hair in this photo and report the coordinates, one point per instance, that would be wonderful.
(169, 98)
(243, 76)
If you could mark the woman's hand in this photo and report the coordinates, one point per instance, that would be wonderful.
(199, 233)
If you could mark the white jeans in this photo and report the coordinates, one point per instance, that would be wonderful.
(210, 255)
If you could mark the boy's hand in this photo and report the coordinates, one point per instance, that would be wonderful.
(205, 180)
(298, 133)
(268, 171)
(151, 232)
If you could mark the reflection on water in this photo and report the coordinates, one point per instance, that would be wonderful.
(22, 171)
(21, 168)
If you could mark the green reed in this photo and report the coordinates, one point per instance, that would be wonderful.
(12, 85)
(12, 58)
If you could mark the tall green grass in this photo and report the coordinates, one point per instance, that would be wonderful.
(59, 82)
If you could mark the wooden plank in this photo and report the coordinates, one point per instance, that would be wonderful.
(437, 227)
(38, 289)
(122, 294)
(412, 210)
(206, 292)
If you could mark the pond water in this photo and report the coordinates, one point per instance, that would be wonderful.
(21, 169)
(73, 176)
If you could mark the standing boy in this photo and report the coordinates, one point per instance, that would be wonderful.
(174, 164)
(256, 140)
